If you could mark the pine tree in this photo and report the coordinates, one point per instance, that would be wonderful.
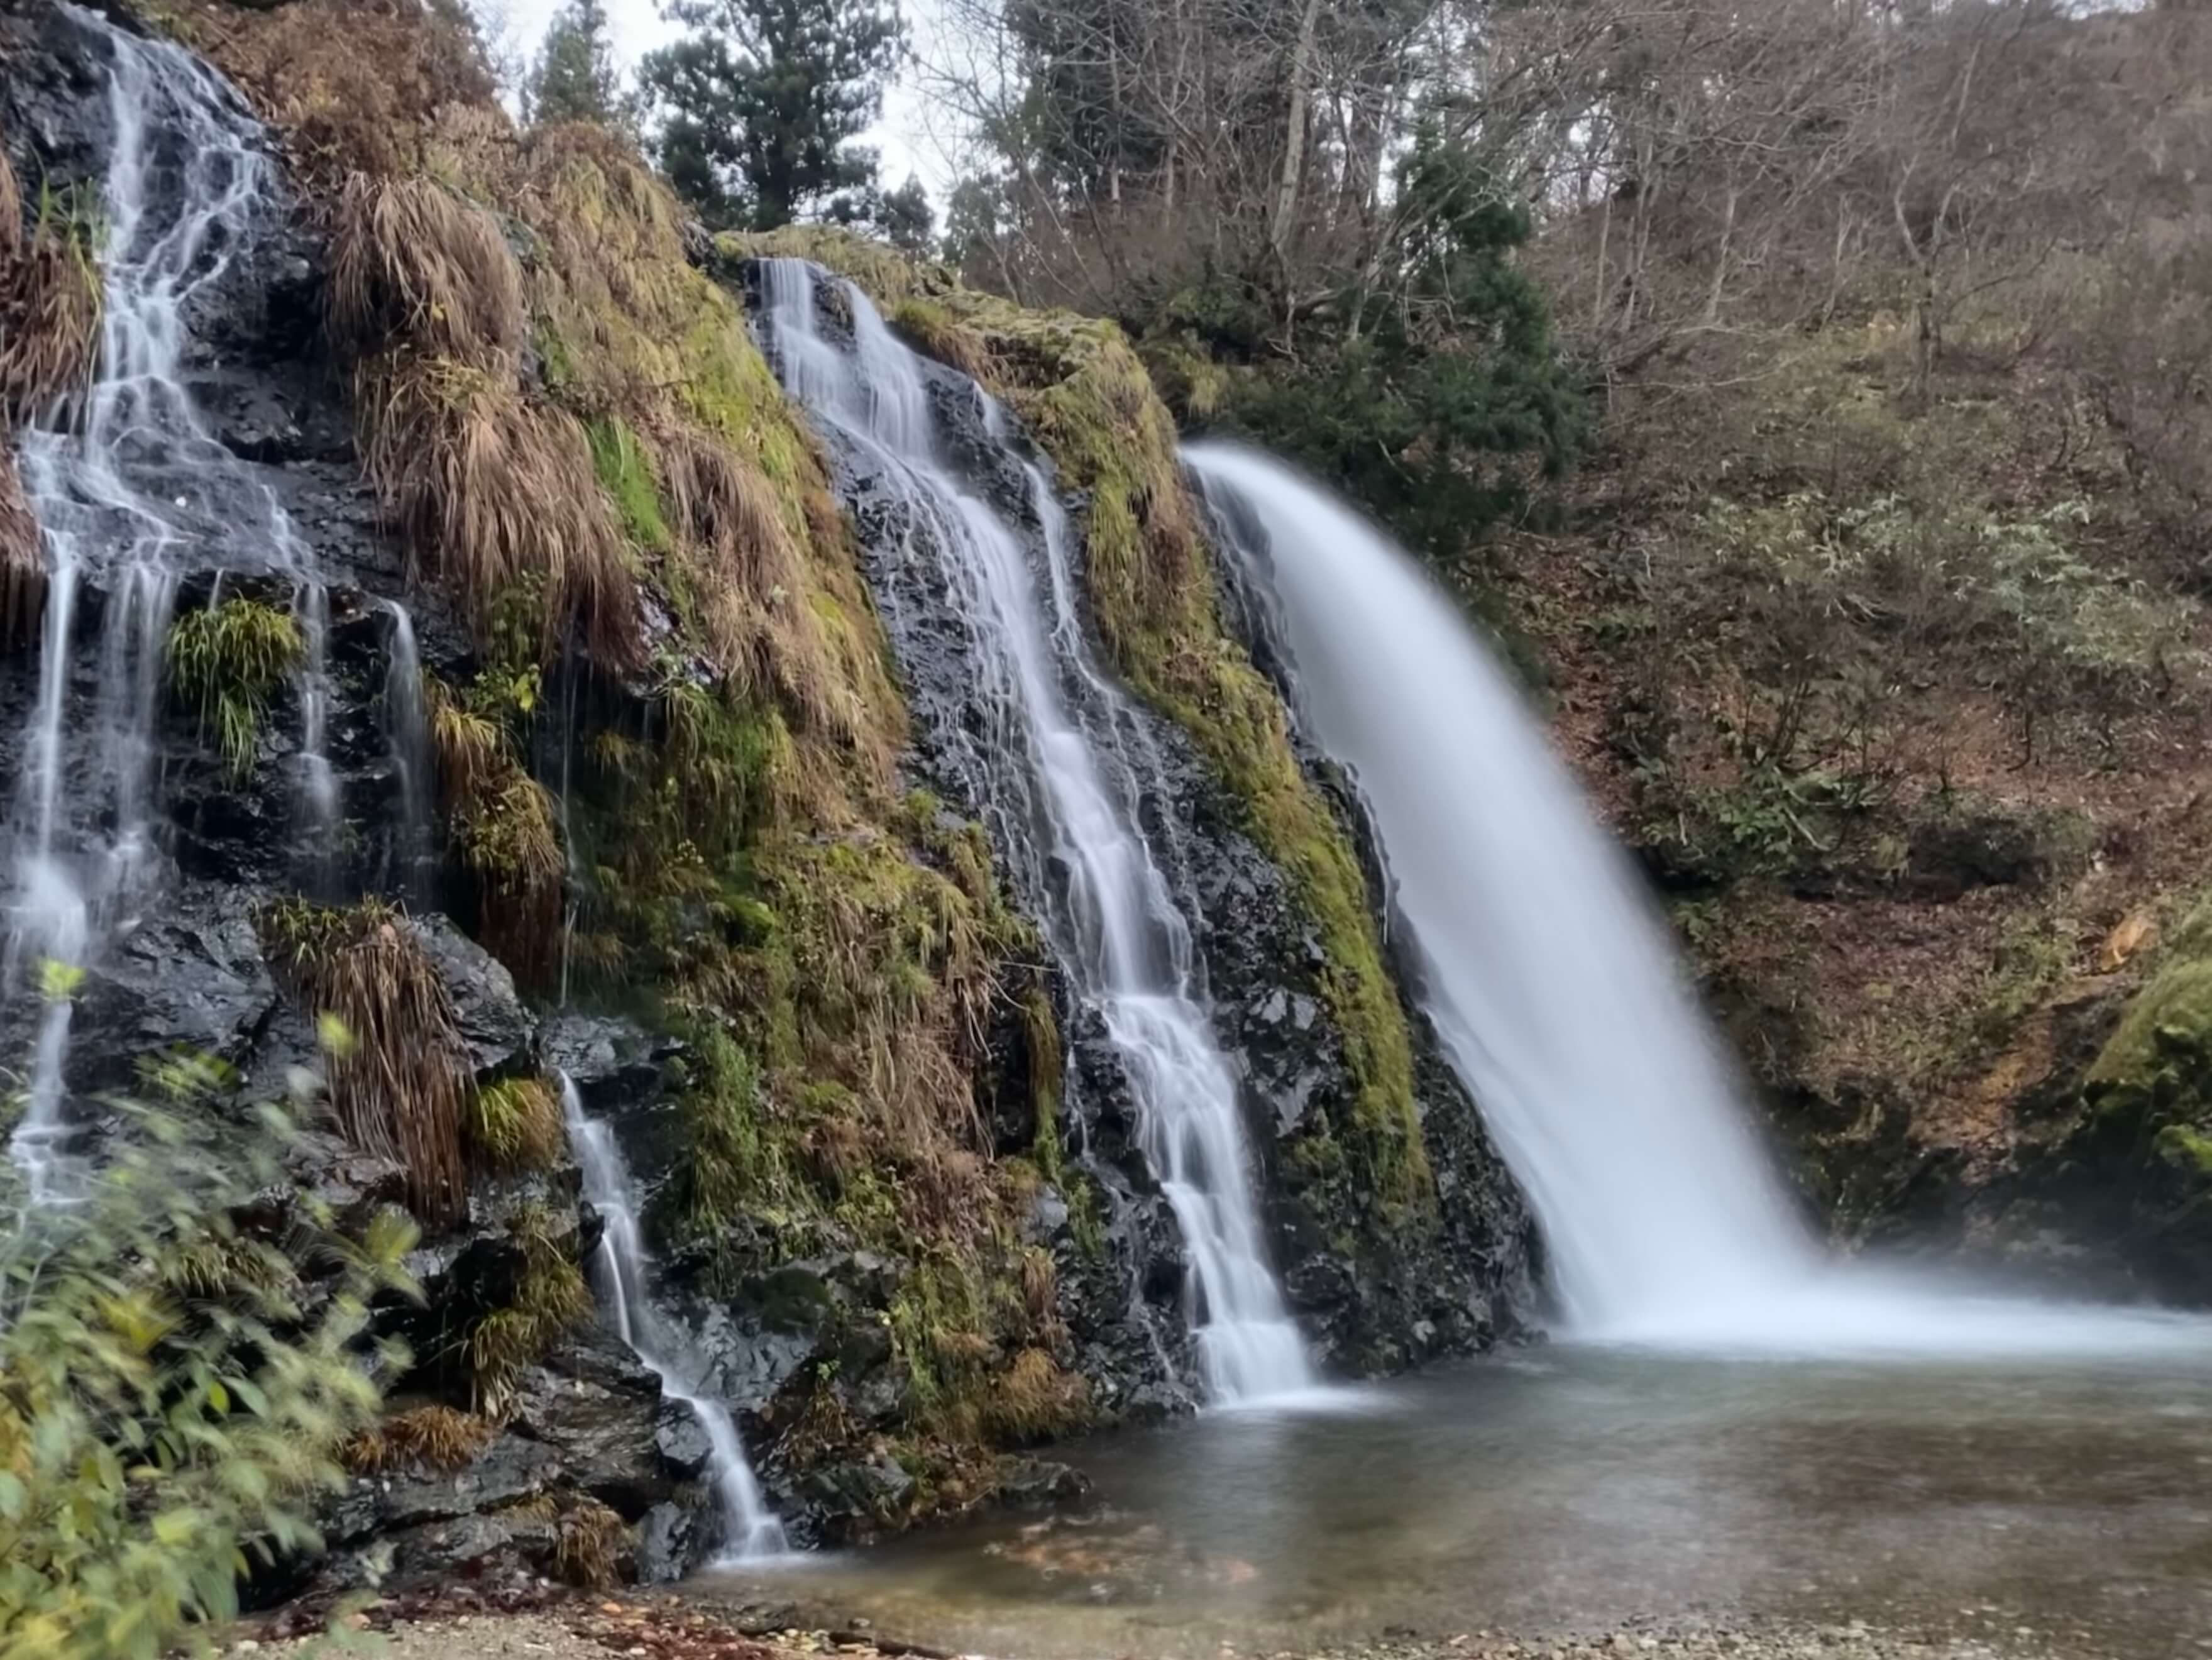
(575, 78)
(906, 218)
(762, 101)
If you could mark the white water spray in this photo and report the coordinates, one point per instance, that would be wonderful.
(123, 485)
(1551, 982)
(750, 1532)
(1067, 801)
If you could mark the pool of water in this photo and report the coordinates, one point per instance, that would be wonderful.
(1572, 1488)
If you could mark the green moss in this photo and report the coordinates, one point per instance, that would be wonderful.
(226, 661)
(626, 471)
(2171, 1016)
(2188, 1150)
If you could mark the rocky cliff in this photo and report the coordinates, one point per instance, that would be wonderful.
(632, 787)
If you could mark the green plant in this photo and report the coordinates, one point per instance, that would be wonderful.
(515, 1123)
(162, 1426)
(550, 1296)
(226, 661)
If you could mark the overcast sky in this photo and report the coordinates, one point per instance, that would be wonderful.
(903, 134)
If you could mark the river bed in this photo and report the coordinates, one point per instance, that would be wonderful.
(2062, 1505)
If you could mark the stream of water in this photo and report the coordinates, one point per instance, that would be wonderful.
(751, 1531)
(125, 483)
(1062, 783)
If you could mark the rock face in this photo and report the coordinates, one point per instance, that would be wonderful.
(190, 968)
(1375, 1291)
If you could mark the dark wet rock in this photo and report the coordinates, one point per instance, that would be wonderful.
(508, 1471)
(851, 1495)
(594, 1405)
(497, 1029)
(1040, 1484)
(191, 978)
(667, 1544)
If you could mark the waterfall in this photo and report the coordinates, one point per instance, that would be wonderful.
(751, 1531)
(1552, 985)
(1547, 975)
(1060, 789)
(123, 483)
(407, 740)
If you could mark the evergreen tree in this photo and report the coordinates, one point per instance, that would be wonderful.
(906, 219)
(575, 78)
(762, 101)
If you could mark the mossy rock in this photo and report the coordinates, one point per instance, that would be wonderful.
(1089, 401)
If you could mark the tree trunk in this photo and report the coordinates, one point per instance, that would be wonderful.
(1294, 136)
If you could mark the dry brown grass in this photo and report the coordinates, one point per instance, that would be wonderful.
(353, 84)
(11, 209)
(408, 259)
(499, 492)
(399, 1076)
(435, 1437)
(23, 558)
(1036, 1400)
(589, 1544)
(51, 302)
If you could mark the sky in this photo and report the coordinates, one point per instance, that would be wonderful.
(902, 136)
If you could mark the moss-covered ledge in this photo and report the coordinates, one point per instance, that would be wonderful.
(1088, 400)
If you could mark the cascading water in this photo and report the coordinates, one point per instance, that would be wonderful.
(407, 737)
(1550, 982)
(750, 1532)
(1062, 794)
(123, 485)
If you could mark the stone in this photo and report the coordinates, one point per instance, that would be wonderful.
(494, 1027)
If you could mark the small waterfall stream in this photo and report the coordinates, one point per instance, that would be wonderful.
(411, 846)
(122, 485)
(1062, 794)
(750, 1532)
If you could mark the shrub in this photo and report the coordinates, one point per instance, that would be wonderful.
(173, 1393)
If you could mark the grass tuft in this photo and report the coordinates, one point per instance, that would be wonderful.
(588, 1545)
(550, 1297)
(436, 1438)
(515, 1123)
(51, 302)
(226, 661)
(399, 1076)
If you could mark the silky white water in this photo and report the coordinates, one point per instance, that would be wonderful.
(1552, 984)
(1064, 789)
(410, 853)
(750, 1532)
(123, 483)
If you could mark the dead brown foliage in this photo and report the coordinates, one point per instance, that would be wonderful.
(399, 1075)
(436, 1437)
(493, 491)
(408, 259)
(352, 83)
(49, 311)
(23, 564)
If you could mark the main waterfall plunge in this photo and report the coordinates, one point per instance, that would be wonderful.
(1550, 983)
